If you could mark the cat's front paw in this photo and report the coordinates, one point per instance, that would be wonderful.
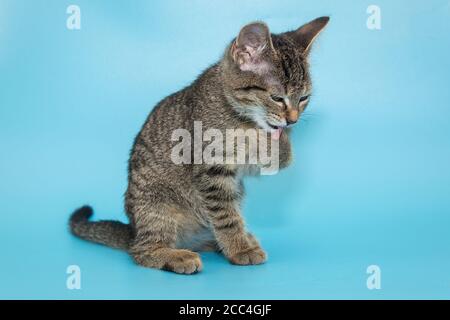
(248, 257)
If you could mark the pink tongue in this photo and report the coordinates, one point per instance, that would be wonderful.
(276, 134)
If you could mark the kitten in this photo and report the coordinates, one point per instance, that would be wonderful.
(262, 82)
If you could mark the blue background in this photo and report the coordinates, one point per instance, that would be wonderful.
(370, 183)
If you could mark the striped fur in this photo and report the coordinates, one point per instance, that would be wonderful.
(176, 210)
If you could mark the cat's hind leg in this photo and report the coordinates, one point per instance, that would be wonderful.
(170, 259)
(156, 231)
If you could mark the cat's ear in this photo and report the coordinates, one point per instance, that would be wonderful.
(250, 47)
(306, 34)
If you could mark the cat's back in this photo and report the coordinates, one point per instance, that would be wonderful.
(178, 111)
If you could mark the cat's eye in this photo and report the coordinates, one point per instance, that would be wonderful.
(277, 99)
(303, 99)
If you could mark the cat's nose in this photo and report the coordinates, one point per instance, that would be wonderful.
(289, 121)
(292, 117)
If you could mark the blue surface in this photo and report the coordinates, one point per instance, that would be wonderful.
(370, 184)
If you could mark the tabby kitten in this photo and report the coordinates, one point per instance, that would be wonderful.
(262, 82)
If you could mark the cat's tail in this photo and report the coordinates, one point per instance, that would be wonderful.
(113, 234)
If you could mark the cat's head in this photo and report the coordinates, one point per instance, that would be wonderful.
(266, 76)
